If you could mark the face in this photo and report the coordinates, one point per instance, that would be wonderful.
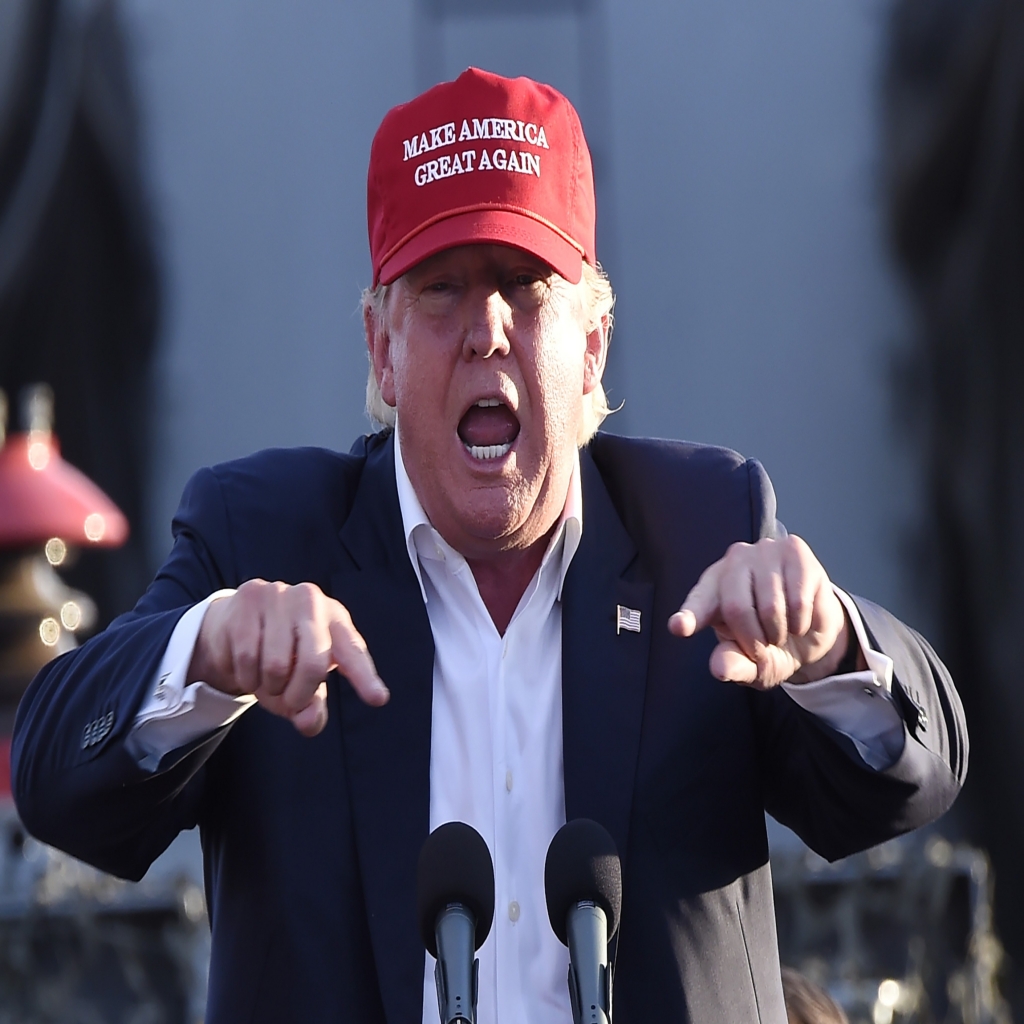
(486, 353)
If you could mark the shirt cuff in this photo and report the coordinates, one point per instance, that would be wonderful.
(858, 704)
(173, 714)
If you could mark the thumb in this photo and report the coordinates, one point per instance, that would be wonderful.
(771, 666)
(731, 665)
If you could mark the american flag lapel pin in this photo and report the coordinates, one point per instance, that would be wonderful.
(627, 618)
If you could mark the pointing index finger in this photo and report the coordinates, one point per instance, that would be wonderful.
(353, 661)
(700, 606)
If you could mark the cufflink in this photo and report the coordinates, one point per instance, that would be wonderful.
(97, 730)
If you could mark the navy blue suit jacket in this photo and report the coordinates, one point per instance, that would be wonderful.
(311, 844)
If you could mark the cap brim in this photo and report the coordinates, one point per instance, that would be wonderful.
(499, 227)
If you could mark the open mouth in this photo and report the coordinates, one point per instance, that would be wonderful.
(488, 428)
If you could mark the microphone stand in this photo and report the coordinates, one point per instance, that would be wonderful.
(456, 981)
(587, 932)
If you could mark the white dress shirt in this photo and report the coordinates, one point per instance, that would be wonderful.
(496, 752)
(496, 740)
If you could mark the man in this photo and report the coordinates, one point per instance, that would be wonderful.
(513, 589)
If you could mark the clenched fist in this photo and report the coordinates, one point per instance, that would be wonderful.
(279, 642)
(774, 612)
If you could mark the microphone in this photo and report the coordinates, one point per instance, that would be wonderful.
(455, 906)
(583, 885)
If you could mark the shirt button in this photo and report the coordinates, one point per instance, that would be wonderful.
(513, 911)
(869, 691)
(508, 781)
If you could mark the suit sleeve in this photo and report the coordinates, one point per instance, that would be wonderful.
(814, 781)
(75, 784)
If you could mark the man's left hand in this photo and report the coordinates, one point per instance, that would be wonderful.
(774, 611)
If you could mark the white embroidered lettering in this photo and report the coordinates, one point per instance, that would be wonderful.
(442, 135)
(486, 128)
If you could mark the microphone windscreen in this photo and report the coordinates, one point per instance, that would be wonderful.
(454, 867)
(582, 864)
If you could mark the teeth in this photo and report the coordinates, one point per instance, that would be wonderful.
(488, 403)
(488, 451)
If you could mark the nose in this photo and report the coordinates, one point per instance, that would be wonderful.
(486, 334)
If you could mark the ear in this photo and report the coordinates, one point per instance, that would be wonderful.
(378, 343)
(595, 356)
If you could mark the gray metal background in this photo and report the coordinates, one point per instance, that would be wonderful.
(736, 155)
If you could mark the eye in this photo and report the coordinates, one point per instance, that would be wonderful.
(526, 289)
(530, 277)
(439, 290)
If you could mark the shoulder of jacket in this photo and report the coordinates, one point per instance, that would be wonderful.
(658, 459)
(660, 487)
(283, 484)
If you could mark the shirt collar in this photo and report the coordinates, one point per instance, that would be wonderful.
(415, 523)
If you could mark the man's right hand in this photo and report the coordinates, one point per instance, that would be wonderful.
(278, 643)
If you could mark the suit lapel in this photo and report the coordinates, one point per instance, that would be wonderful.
(604, 671)
(387, 750)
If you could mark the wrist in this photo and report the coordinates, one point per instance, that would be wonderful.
(853, 658)
(202, 666)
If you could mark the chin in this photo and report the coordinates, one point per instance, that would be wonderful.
(493, 517)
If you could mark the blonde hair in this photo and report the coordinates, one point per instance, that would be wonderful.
(599, 305)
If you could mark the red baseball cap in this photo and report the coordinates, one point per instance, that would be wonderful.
(481, 159)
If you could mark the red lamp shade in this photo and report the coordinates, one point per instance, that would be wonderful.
(42, 496)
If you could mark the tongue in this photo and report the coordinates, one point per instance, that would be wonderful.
(495, 425)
